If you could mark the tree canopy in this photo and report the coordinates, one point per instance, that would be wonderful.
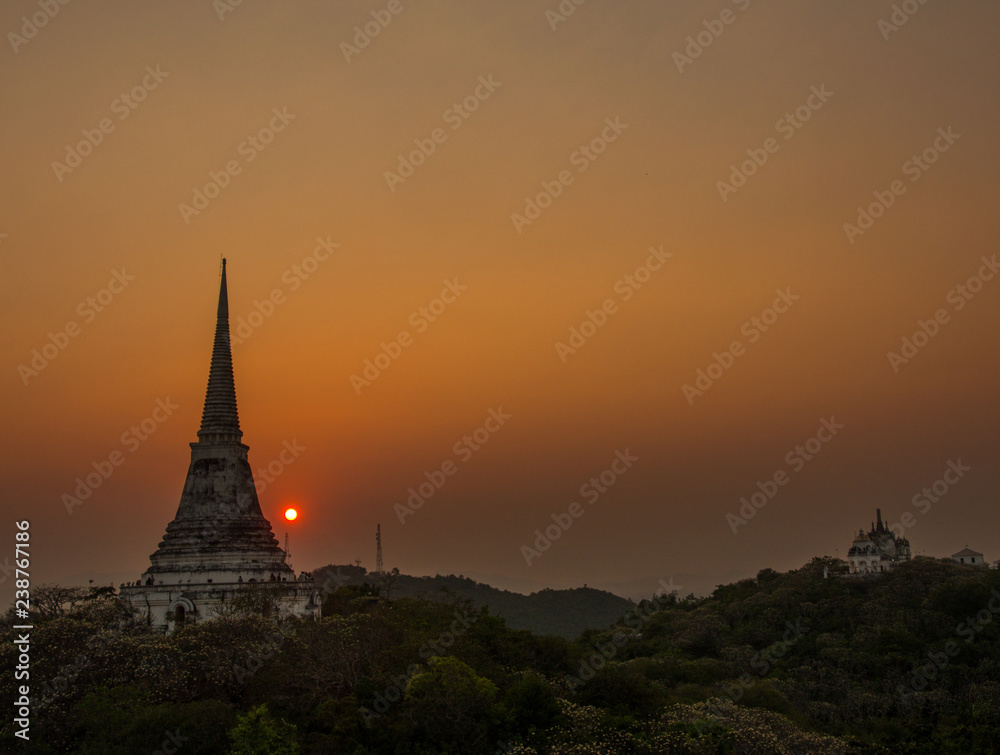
(906, 661)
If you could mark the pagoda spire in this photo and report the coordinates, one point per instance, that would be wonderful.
(219, 534)
(220, 422)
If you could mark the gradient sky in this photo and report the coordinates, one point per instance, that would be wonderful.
(63, 234)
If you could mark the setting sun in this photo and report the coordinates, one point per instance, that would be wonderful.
(291, 514)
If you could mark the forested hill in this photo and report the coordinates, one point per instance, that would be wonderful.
(785, 664)
(907, 661)
(566, 613)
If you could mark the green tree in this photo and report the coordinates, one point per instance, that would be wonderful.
(531, 703)
(257, 733)
(452, 707)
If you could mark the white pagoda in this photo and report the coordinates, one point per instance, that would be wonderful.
(219, 545)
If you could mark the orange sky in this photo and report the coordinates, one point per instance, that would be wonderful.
(208, 84)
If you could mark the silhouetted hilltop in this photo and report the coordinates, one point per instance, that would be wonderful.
(566, 613)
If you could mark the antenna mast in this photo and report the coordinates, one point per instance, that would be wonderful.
(378, 549)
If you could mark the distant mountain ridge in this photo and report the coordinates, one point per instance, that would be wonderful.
(566, 613)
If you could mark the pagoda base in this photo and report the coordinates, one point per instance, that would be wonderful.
(166, 607)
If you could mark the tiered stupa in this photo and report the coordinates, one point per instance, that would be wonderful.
(219, 542)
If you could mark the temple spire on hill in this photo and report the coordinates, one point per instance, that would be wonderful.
(219, 540)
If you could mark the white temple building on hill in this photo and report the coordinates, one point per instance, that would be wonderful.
(219, 545)
(879, 550)
(969, 556)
